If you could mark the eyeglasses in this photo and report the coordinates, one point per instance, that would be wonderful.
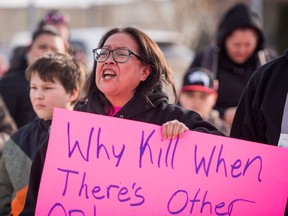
(119, 55)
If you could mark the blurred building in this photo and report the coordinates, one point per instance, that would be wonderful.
(196, 20)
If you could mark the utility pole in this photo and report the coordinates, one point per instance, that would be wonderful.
(257, 5)
(31, 16)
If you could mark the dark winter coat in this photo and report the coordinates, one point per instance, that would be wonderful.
(14, 88)
(260, 114)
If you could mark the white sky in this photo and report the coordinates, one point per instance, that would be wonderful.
(58, 3)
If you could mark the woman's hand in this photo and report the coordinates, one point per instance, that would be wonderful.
(172, 129)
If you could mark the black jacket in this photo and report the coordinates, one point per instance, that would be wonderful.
(14, 88)
(160, 112)
(259, 116)
(233, 77)
(137, 109)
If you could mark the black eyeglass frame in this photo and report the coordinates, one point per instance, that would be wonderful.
(94, 51)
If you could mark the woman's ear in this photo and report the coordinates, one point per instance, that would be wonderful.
(145, 72)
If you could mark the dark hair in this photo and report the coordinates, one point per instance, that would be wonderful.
(61, 67)
(49, 30)
(19, 59)
(151, 55)
(240, 16)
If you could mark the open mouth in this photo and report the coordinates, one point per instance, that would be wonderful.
(108, 74)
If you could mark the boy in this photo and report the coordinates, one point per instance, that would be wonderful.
(55, 81)
(199, 93)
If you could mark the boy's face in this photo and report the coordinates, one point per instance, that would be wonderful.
(45, 95)
(198, 101)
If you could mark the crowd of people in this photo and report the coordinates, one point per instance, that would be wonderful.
(234, 87)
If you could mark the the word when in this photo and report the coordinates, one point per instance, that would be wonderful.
(215, 162)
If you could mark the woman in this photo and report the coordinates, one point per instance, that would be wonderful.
(126, 82)
(14, 86)
(239, 50)
(129, 71)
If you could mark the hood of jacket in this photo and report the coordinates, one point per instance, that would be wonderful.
(139, 105)
(135, 107)
(239, 16)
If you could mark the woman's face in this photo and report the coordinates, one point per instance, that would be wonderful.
(241, 44)
(43, 44)
(118, 81)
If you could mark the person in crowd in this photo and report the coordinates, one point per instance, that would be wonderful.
(7, 124)
(199, 93)
(59, 20)
(54, 18)
(238, 50)
(126, 82)
(262, 112)
(4, 64)
(14, 87)
(55, 81)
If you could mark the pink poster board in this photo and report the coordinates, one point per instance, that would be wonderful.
(97, 165)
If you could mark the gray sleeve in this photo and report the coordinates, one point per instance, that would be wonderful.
(15, 168)
(6, 189)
